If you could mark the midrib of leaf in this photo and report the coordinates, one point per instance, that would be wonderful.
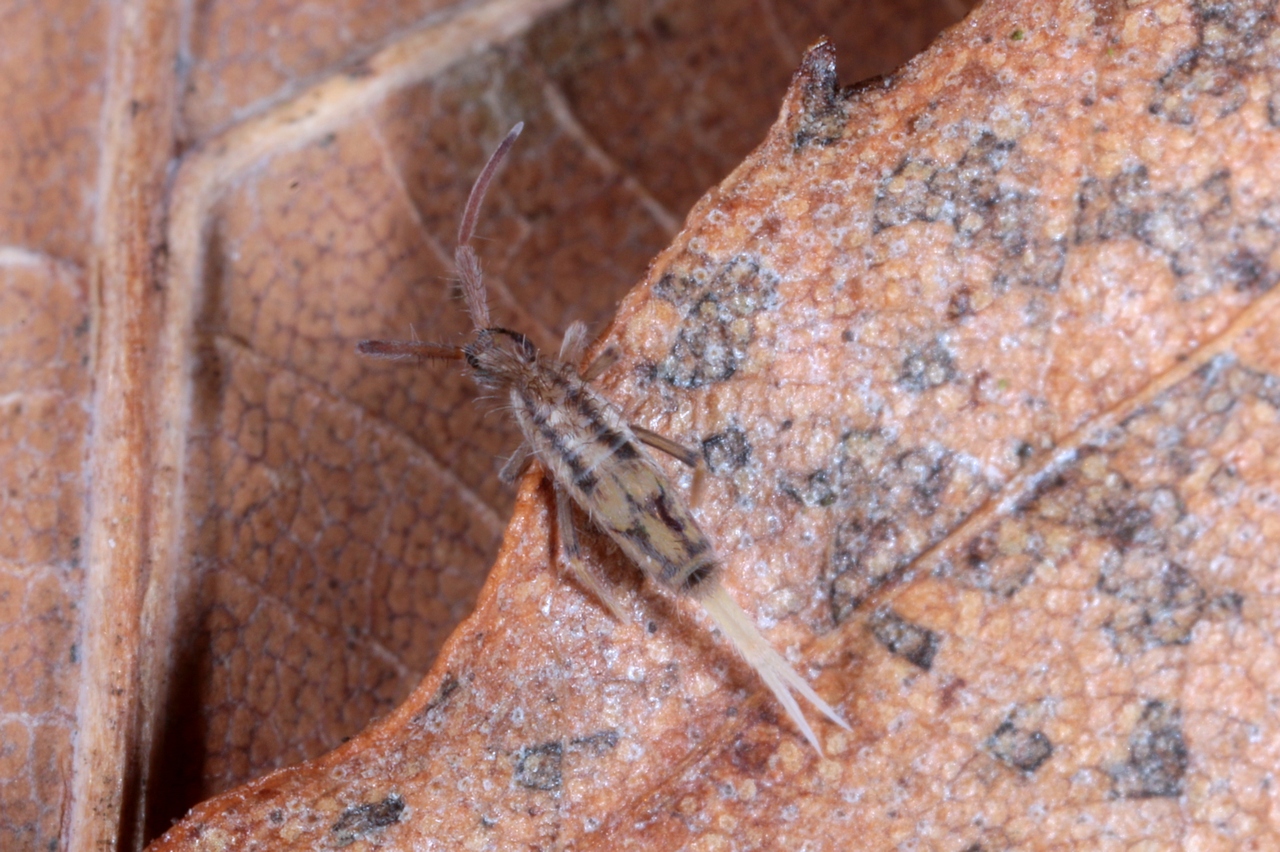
(143, 359)
(137, 130)
(1022, 485)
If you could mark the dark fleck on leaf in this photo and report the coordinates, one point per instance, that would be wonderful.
(727, 451)
(1228, 604)
(435, 709)
(815, 490)
(1021, 749)
(927, 368)
(538, 767)
(822, 116)
(1157, 755)
(961, 304)
(359, 821)
(597, 744)
(912, 642)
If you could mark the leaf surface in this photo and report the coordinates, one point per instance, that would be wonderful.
(226, 542)
(980, 362)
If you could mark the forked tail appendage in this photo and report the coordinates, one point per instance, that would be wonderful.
(768, 663)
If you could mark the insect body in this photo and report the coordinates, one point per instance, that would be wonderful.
(595, 459)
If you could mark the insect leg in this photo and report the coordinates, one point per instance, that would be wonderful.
(603, 361)
(768, 663)
(515, 466)
(573, 555)
(574, 343)
(679, 452)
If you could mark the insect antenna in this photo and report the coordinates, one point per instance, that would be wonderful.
(464, 256)
(468, 269)
(408, 350)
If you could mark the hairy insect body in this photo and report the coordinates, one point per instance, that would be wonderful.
(591, 452)
(594, 458)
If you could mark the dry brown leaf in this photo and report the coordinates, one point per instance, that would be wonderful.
(228, 543)
(981, 363)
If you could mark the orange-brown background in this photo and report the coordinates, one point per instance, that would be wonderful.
(185, 273)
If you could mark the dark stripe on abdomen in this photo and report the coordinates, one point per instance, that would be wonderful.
(583, 479)
(701, 572)
(663, 511)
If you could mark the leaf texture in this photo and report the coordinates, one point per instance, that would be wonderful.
(981, 360)
(227, 543)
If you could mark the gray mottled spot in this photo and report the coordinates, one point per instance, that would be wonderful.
(982, 198)
(1160, 602)
(538, 767)
(1158, 756)
(1211, 80)
(914, 643)
(891, 502)
(963, 194)
(718, 324)
(927, 368)
(1019, 748)
(727, 451)
(360, 821)
(1002, 558)
(1205, 244)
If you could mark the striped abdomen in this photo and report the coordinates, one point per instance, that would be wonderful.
(593, 455)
